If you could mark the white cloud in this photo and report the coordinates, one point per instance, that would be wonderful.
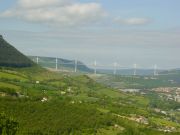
(41, 3)
(56, 12)
(132, 21)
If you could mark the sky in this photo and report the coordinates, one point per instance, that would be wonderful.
(145, 32)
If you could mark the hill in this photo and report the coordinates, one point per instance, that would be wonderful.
(130, 71)
(44, 102)
(36, 101)
(171, 72)
(11, 57)
(63, 64)
(138, 82)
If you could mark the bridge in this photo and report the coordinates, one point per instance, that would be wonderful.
(114, 67)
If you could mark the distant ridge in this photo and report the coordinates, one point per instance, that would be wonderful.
(11, 57)
(63, 64)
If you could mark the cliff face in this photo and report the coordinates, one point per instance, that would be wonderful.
(11, 57)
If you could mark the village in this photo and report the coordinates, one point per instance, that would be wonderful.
(170, 93)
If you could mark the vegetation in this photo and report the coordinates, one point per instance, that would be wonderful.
(139, 82)
(7, 125)
(11, 57)
(44, 102)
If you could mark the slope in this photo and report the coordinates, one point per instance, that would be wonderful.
(44, 102)
(11, 57)
(63, 64)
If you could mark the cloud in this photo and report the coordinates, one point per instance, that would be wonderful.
(56, 12)
(41, 3)
(132, 21)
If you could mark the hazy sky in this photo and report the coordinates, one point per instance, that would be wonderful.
(145, 32)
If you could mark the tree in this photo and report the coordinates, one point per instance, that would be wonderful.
(7, 125)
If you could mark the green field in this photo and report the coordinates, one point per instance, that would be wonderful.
(39, 102)
(138, 82)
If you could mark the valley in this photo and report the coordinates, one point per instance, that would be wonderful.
(36, 100)
(44, 102)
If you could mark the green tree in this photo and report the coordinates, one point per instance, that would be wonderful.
(7, 125)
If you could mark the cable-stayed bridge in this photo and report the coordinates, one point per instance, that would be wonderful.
(57, 64)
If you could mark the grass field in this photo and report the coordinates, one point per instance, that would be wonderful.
(64, 103)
